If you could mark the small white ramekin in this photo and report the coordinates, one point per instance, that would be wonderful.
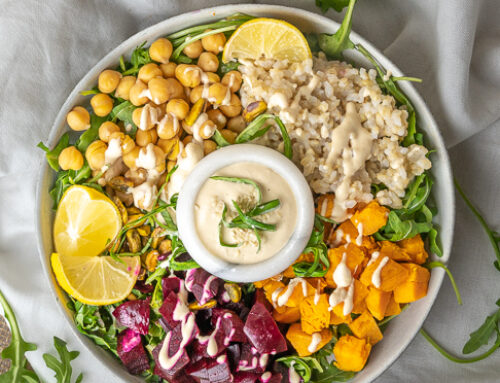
(207, 167)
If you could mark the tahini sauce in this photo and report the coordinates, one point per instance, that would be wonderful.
(209, 205)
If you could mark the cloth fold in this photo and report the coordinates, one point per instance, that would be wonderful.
(453, 45)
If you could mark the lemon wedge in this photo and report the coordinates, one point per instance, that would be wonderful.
(85, 221)
(269, 38)
(96, 280)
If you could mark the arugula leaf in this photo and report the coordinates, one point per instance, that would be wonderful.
(91, 134)
(333, 374)
(303, 365)
(62, 368)
(483, 334)
(334, 45)
(53, 155)
(219, 139)
(139, 57)
(16, 350)
(434, 264)
(338, 5)
(123, 112)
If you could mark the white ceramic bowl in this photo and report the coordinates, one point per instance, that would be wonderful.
(207, 167)
(402, 329)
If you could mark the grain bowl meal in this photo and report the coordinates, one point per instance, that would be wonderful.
(137, 292)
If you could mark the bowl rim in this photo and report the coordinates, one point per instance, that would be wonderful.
(278, 163)
(197, 17)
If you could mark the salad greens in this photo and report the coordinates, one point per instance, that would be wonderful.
(16, 351)
(334, 45)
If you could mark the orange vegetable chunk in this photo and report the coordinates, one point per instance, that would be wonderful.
(293, 293)
(351, 353)
(303, 342)
(415, 249)
(410, 292)
(286, 314)
(377, 302)
(358, 300)
(372, 217)
(417, 273)
(365, 326)
(355, 259)
(393, 251)
(314, 317)
(391, 276)
(345, 233)
(393, 308)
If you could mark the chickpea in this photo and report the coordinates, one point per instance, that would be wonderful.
(208, 62)
(106, 129)
(176, 88)
(148, 72)
(236, 124)
(168, 127)
(218, 117)
(175, 151)
(146, 137)
(187, 140)
(95, 154)
(108, 80)
(78, 119)
(234, 107)
(168, 69)
(188, 75)
(130, 158)
(232, 80)
(128, 144)
(136, 116)
(179, 108)
(193, 50)
(217, 93)
(137, 94)
(170, 165)
(214, 43)
(229, 135)
(167, 145)
(207, 129)
(160, 90)
(161, 50)
(123, 88)
(158, 152)
(212, 77)
(187, 128)
(149, 121)
(209, 146)
(196, 93)
(101, 104)
(70, 158)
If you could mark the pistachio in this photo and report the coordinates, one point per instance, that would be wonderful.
(144, 231)
(157, 234)
(152, 260)
(196, 306)
(133, 241)
(253, 110)
(131, 297)
(133, 210)
(234, 291)
(121, 208)
(120, 183)
(142, 274)
(165, 246)
(195, 112)
(135, 217)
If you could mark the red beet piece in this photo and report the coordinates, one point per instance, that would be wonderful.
(262, 331)
(143, 287)
(246, 377)
(201, 346)
(171, 284)
(260, 297)
(168, 307)
(203, 285)
(181, 360)
(233, 353)
(210, 370)
(275, 378)
(251, 360)
(134, 315)
(230, 324)
(131, 352)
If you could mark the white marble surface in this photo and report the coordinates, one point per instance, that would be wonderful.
(452, 44)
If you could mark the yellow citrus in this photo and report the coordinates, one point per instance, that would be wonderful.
(269, 38)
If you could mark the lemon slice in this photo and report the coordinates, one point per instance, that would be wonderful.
(269, 38)
(96, 280)
(85, 221)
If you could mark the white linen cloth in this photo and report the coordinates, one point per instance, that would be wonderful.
(454, 45)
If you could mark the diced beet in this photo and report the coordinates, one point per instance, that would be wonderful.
(262, 331)
(251, 360)
(182, 359)
(134, 315)
(167, 309)
(275, 378)
(203, 320)
(171, 284)
(233, 353)
(230, 324)
(203, 285)
(143, 287)
(201, 346)
(131, 352)
(179, 378)
(261, 297)
(211, 370)
(239, 308)
(246, 377)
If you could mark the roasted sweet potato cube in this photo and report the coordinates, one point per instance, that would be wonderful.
(336, 319)
(377, 301)
(294, 293)
(355, 259)
(304, 343)
(365, 326)
(358, 300)
(372, 217)
(391, 275)
(346, 233)
(271, 287)
(314, 317)
(415, 249)
(393, 251)
(417, 273)
(410, 292)
(393, 308)
(286, 314)
(351, 353)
